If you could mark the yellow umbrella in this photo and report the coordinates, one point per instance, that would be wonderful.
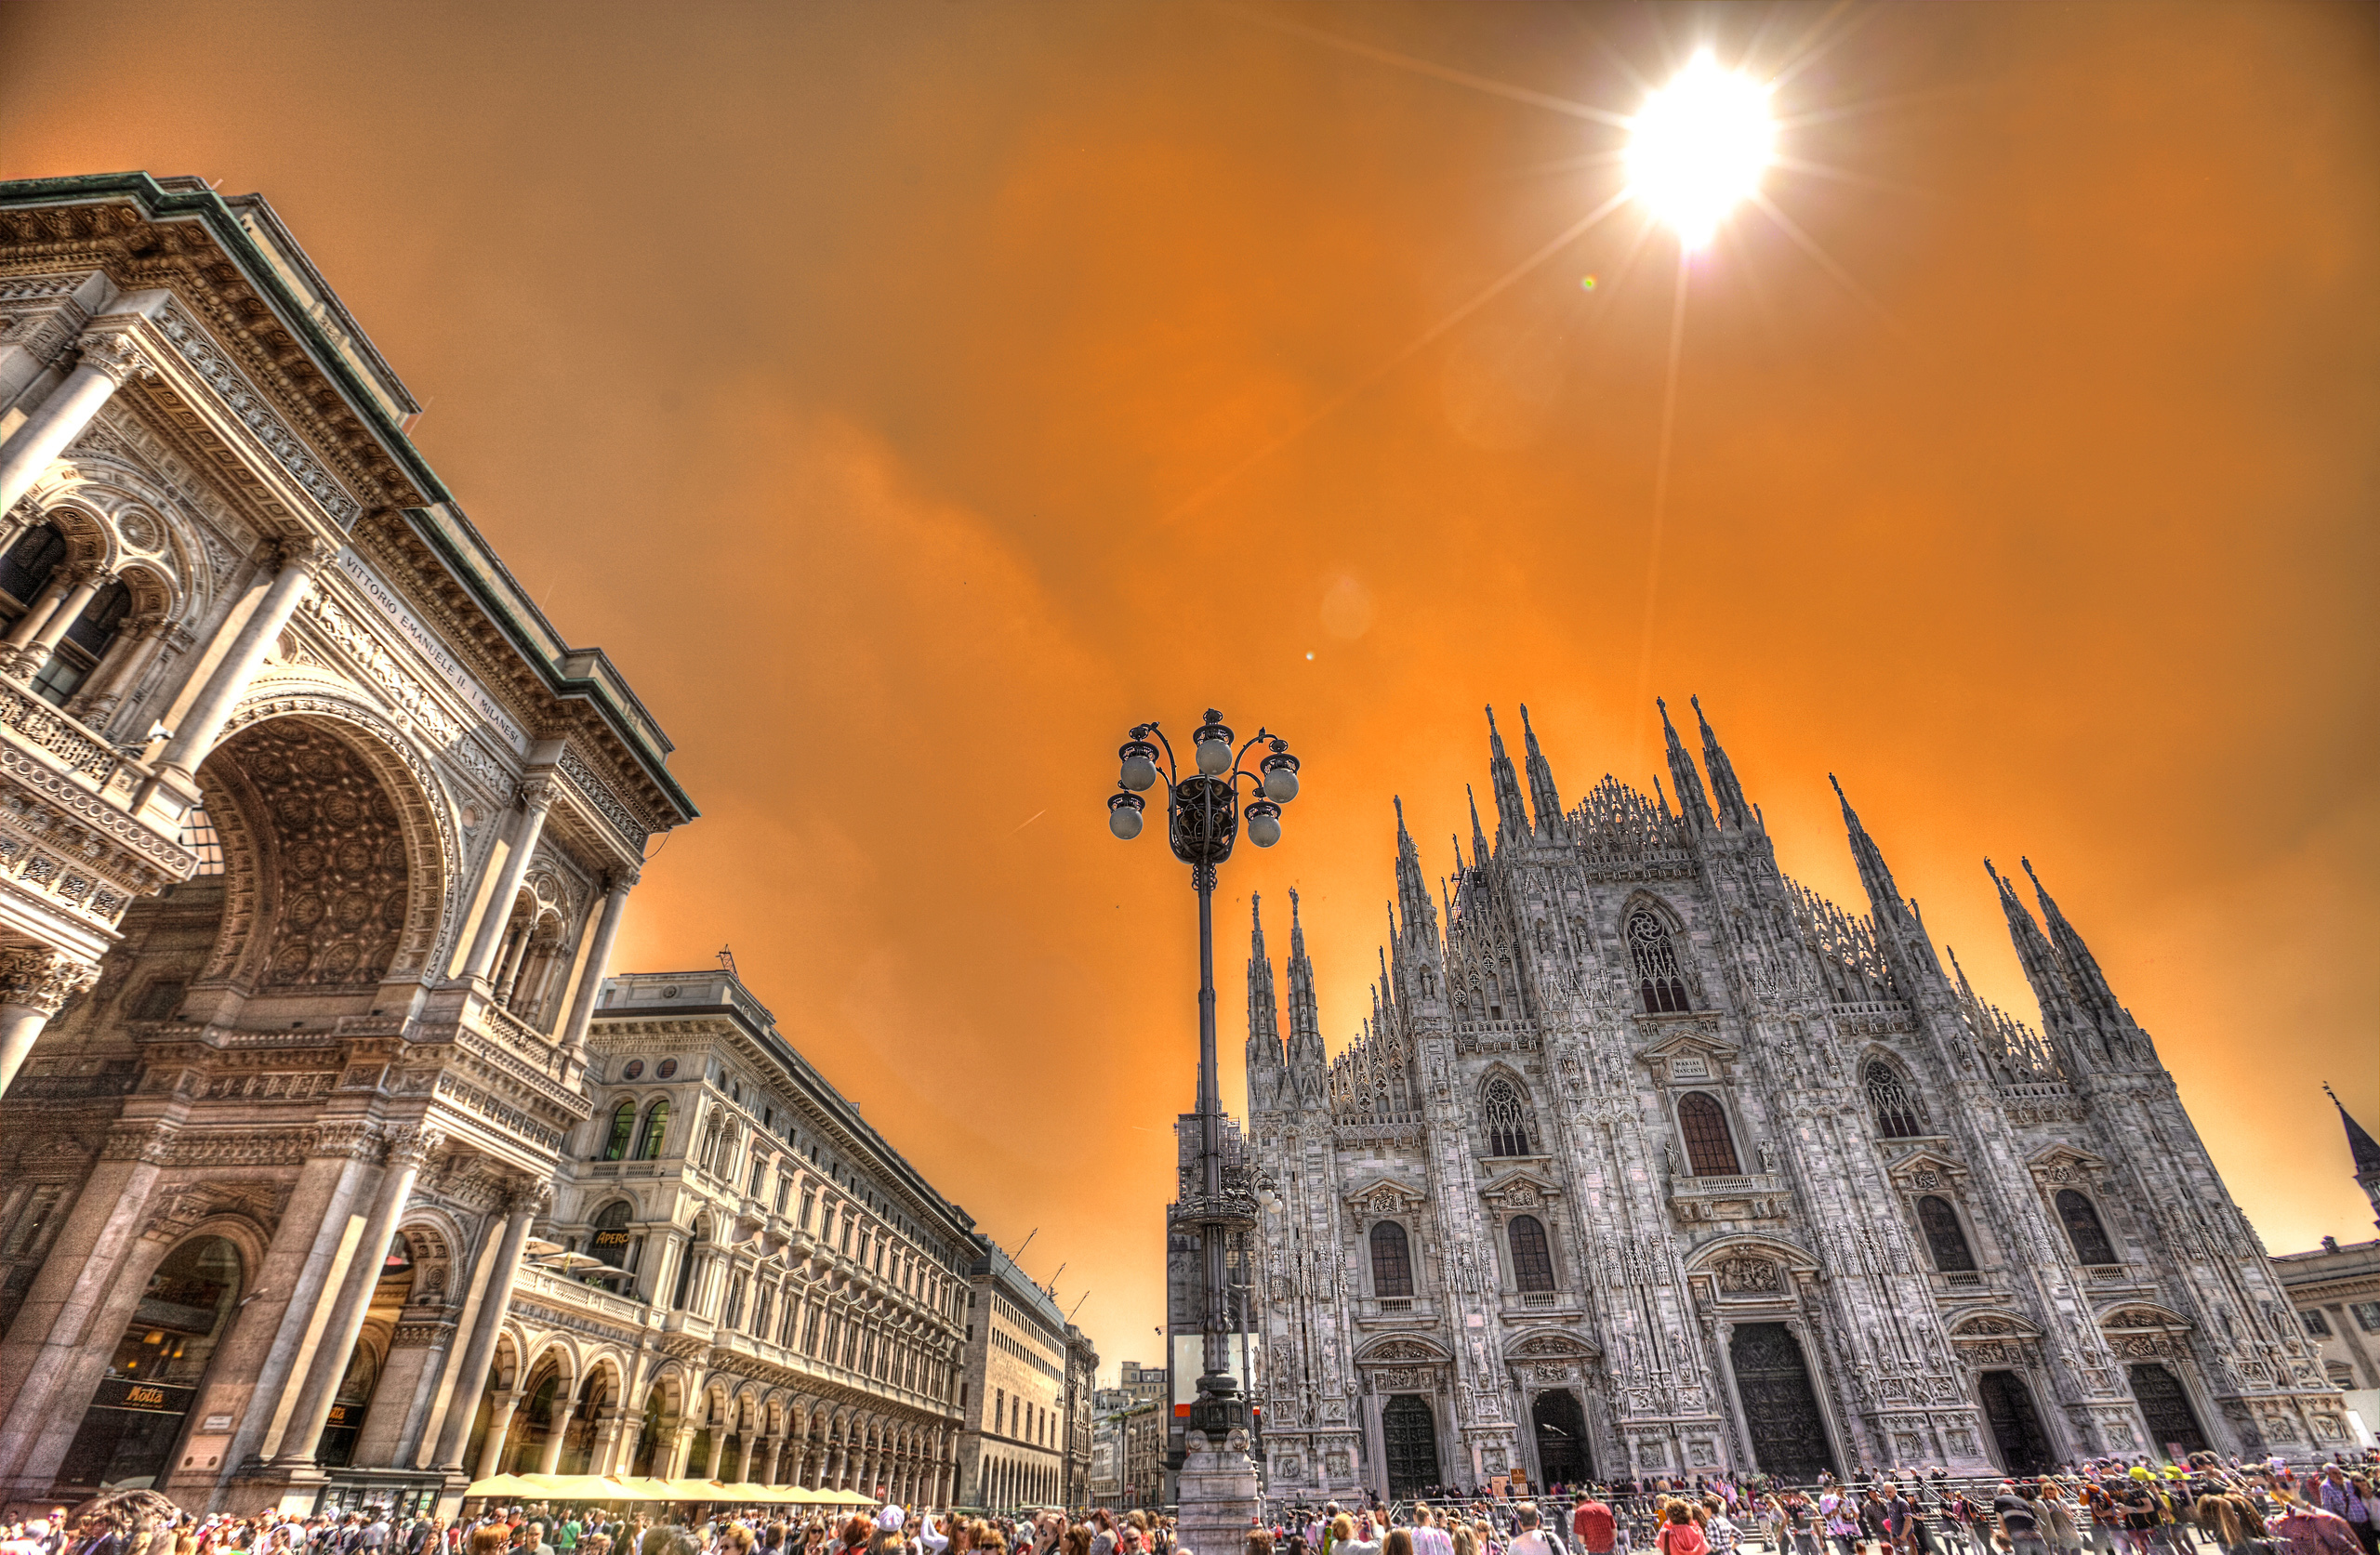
(502, 1485)
(635, 1487)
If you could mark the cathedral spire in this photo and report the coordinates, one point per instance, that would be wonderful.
(1478, 837)
(1691, 800)
(1883, 897)
(1544, 798)
(1308, 1067)
(2363, 1149)
(2035, 954)
(1263, 1019)
(1723, 787)
(2082, 973)
(1412, 892)
(1512, 815)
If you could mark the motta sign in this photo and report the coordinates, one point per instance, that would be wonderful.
(148, 1398)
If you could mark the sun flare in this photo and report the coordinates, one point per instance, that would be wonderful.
(1698, 146)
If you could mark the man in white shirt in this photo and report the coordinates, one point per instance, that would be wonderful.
(1531, 1539)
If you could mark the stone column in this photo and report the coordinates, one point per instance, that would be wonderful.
(599, 958)
(769, 1466)
(299, 561)
(470, 1375)
(607, 1440)
(681, 1441)
(744, 1469)
(135, 645)
(35, 981)
(499, 1425)
(37, 614)
(407, 1149)
(566, 1410)
(537, 797)
(80, 582)
(110, 361)
(508, 964)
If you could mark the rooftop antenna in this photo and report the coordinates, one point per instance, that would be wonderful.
(1022, 1245)
(727, 962)
(1078, 1302)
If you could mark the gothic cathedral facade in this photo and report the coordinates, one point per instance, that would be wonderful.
(1652, 1162)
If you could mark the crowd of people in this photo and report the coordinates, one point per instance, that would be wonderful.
(2106, 1506)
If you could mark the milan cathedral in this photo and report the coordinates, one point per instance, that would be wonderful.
(1649, 1161)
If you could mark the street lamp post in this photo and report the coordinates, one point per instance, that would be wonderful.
(1203, 813)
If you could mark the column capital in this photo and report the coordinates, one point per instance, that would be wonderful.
(305, 553)
(38, 978)
(412, 1144)
(355, 1138)
(537, 794)
(619, 882)
(116, 354)
(529, 1198)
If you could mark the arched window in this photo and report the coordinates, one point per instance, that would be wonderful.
(86, 643)
(1658, 982)
(1512, 1129)
(1391, 1260)
(1533, 1259)
(2083, 1228)
(30, 561)
(1894, 1105)
(1710, 1148)
(615, 1143)
(1944, 1236)
(610, 1241)
(657, 1129)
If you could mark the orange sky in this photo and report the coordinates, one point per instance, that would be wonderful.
(845, 370)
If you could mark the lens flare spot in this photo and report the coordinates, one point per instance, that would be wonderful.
(1586, 283)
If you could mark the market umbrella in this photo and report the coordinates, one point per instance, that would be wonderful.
(502, 1485)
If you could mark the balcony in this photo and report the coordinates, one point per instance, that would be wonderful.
(1758, 1198)
(559, 1290)
(85, 830)
(1395, 1310)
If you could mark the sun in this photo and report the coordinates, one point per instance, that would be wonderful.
(1698, 146)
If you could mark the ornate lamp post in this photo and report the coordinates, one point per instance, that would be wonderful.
(1202, 821)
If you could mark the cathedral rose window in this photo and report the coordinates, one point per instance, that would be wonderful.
(1896, 1113)
(1659, 981)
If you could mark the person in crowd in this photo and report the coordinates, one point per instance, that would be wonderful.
(1593, 1527)
(2305, 1528)
(1678, 1535)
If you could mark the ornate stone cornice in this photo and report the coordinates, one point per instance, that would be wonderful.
(414, 1143)
(354, 1139)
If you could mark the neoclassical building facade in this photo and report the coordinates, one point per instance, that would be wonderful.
(1649, 1161)
(315, 837)
(743, 1281)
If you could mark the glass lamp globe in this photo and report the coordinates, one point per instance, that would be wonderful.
(1264, 823)
(1214, 756)
(1139, 772)
(1124, 816)
(1281, 783)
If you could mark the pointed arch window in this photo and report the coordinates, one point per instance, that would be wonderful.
(1660, 982)
(616, 1142)
(1892, 1103)
(1944, 1238)
(1512, 1124)
(1710, 1145)
(2083, 1228)
(1391, 1260)
(657, 1129)
(1532, 1258)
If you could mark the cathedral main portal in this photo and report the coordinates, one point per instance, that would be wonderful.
(1561, 1428)
(1411, 1430)
(1787, 1434)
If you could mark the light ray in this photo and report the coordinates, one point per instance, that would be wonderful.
(1812, 49)
(1826, 261)
(1441, 73)
(1494, 289)
(1845, 176)
(1662, 485)
(1877, 105)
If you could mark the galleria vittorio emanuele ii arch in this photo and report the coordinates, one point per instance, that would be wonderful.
(315, 837)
